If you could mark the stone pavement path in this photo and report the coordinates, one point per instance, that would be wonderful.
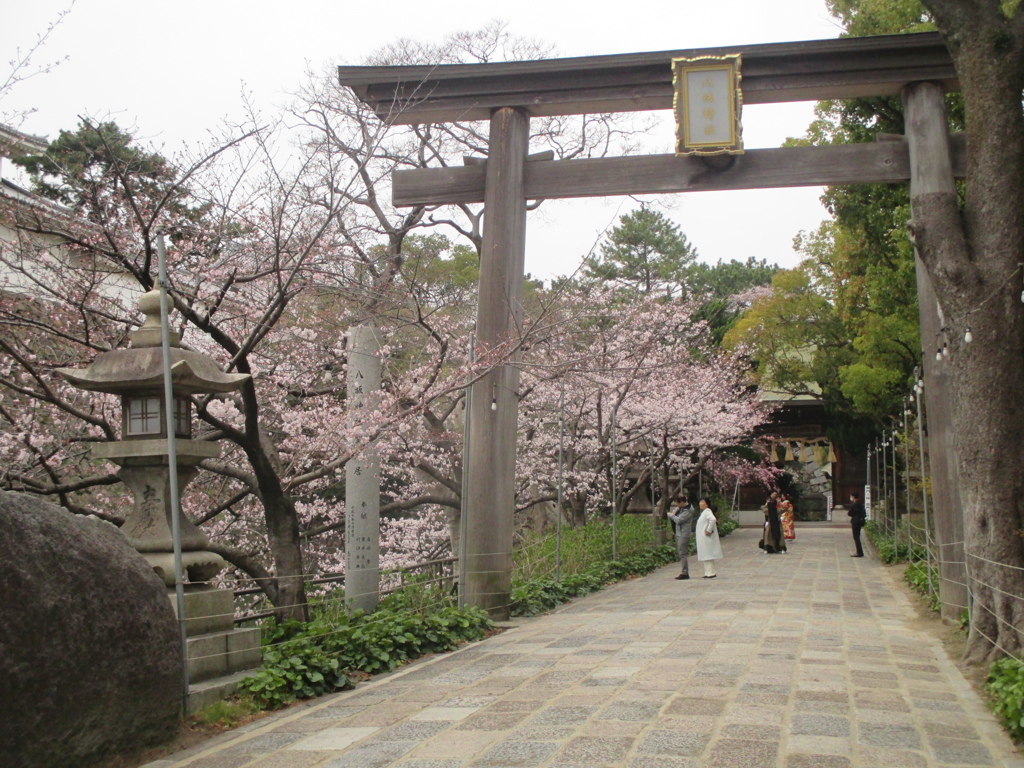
(804, 660)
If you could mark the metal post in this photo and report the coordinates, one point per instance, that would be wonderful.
(561, 454)
(906, 477)
(924, 493)
(883, 473)
(172, 462)
(895, 491)
(868, 469)
(615, 489)
(464, 497)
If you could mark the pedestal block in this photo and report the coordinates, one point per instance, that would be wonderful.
(218, 653)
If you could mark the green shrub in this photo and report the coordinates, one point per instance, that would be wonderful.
(889, 550)
(1006, 684)
(582, 547)
(925, 581)
(301, 661)
(535, 596)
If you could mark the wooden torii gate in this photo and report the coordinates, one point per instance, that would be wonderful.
(916, 67)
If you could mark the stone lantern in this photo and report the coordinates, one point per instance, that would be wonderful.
(136, 375)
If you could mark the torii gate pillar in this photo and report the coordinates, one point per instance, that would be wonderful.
(491, 459)
(931, 172)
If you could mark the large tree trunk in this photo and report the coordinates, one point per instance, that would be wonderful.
(288, 592)
(974, 258)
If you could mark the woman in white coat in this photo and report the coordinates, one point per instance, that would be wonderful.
(709, 546)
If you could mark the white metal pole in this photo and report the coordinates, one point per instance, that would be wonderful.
(924, 493)
(464, 498)
(895, 490)
(906, 478)
(615, 487)
(561, 454)
(172, 461)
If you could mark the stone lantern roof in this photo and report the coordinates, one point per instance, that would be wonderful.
(140, 368)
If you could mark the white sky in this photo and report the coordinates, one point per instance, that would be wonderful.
(173, 70)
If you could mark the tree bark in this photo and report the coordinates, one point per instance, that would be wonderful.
(973, 256)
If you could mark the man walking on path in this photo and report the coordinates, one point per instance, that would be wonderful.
(682, 518)
(857, 517)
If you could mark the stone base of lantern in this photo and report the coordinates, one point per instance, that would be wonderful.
(219, 655)
(197, 567)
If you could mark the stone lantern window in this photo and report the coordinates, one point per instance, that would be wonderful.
(143, 416)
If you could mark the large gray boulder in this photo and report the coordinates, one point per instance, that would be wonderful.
(89, 649)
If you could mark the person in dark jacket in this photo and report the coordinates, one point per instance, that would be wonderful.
(772, 540)
(857, 515)
(682, 517)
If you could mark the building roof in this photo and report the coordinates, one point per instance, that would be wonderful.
(14, 143)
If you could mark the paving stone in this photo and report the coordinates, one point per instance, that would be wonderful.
(656, 761)
(333, 738)
(819, 725)
(752, 732)
(306, 725)
(695, 706)
(222, 761)
(957, 730)
(518, 753)
(937, 705)
(672, 743)
(882, 701)
(817, 761)
(628, 710)
(515, 706)
(960, 752)
(412, 730)
(487, 721)
(542, 733)
(879, 757)
(372, 755)
(267, 742)
(293, 759)
(740, 753)
(451, 714)
(429, 764)
(563, 715)
(336, 711)
(592, 750)
(884, 735)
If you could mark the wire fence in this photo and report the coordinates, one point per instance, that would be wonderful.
(903, 512)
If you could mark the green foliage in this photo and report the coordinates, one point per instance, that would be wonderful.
(539, 595)
(716, 284)
(301, 661)
(888, 548)
(645, 254)
(226, 713)
(582, 547)
(98, 168)
(925, 581)
(1005, 682)
(587, 566)
(860, 347)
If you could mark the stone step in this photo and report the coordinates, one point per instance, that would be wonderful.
(207, 692)
(216, 654)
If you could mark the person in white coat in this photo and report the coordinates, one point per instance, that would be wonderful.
(709, 546)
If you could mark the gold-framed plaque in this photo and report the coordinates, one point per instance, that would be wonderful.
(708, 100)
